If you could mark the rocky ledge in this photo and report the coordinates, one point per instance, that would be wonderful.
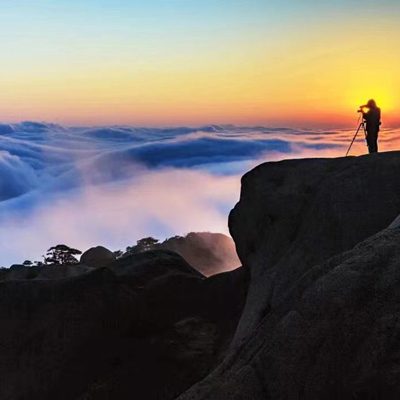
(322, 316)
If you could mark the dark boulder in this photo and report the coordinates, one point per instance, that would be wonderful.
(97, 257)
(18, 271)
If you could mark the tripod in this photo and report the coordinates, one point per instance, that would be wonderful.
(361, 125)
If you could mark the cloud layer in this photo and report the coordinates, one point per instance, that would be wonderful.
(114, 185)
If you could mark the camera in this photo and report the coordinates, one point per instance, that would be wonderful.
(361, 109)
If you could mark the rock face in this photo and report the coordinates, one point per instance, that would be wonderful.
(97, 257)
(295, 214)
(209, 253)
(147, 327)
(321, 319)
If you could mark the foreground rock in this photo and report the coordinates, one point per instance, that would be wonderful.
(147, 327)
(321, 319)
(45, 272)
(295, 214)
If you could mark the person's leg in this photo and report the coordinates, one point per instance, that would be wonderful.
(370, 143)
(374, 138)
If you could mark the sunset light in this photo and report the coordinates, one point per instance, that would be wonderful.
(221, 63)
(199, 199)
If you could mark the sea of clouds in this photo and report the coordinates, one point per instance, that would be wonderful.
(114, 185)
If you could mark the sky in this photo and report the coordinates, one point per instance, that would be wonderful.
(306, 63)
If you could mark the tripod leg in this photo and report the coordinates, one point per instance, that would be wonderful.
(354, 138)
(369, 140)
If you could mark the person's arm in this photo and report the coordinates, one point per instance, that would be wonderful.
(366, 116)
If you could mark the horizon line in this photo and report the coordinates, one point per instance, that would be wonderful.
(222, 125)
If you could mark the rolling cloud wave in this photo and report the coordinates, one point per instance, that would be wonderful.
(114, 185)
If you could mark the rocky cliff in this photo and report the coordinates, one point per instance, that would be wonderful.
(322, 317)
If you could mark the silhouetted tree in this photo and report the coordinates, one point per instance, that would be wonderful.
(61, 255)
(147, 243)
(118, 254)
(27, 263)
(144, 244)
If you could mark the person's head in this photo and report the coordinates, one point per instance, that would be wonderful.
(371, 104)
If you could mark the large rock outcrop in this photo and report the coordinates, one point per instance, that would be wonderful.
(147, 327)
(295, 214)
(321, 319)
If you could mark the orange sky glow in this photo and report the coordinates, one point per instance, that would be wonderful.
(308, 73)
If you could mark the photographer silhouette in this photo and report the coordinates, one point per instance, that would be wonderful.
(372, 118)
